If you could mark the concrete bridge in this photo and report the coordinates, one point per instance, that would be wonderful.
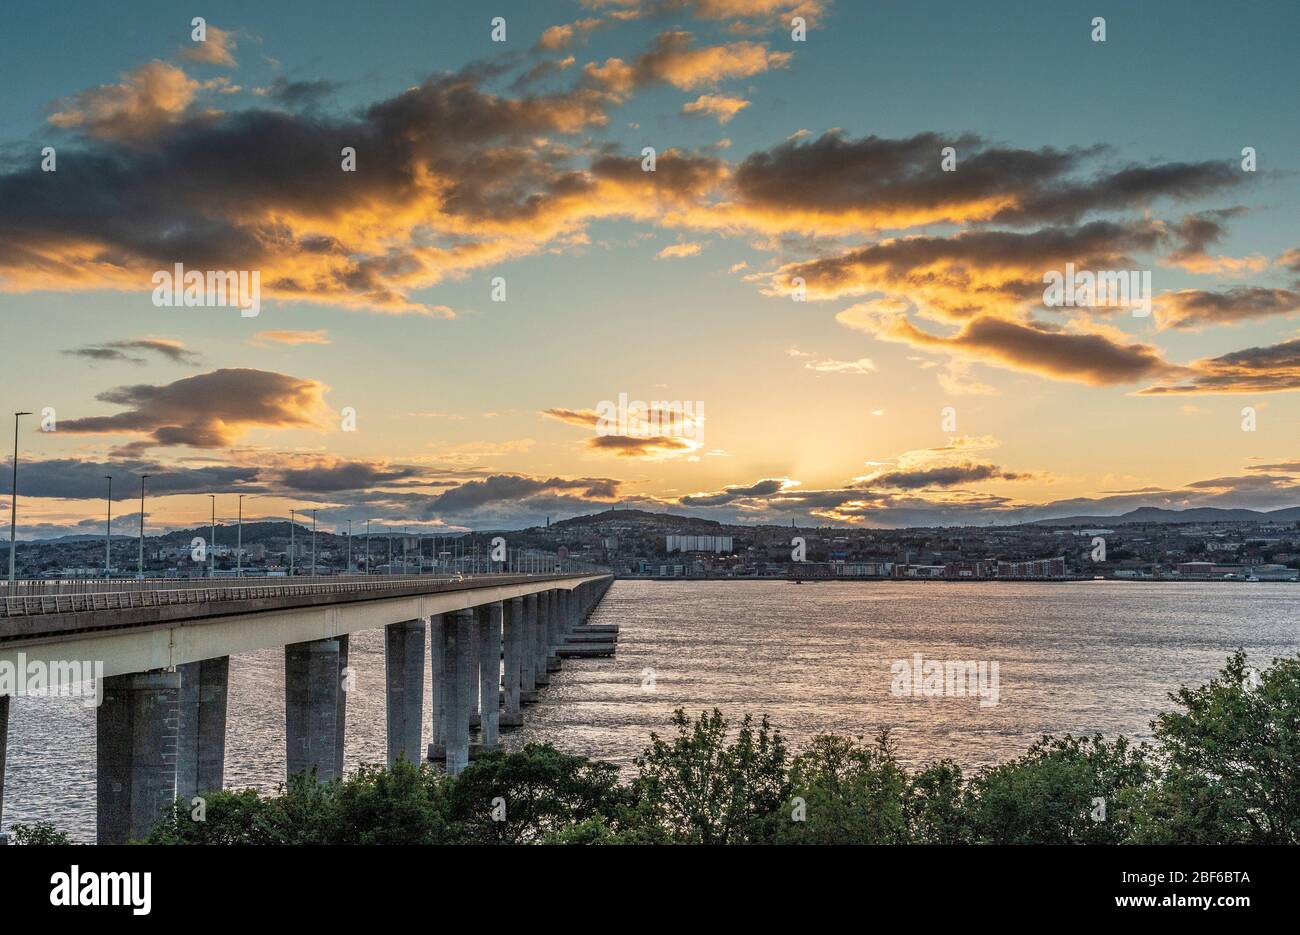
(490, 642)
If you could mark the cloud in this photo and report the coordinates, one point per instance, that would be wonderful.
(678, 251)
(673, 60)
(510, 487)
(946, 476)
(1196, 308)
(555, 38)
(210, 410)
(135, 109)
(833, 184)
(334, 476)
(262, 338)
(973, 272)
(217, 48)
(1270, 369)
(1031, 347)
(720, 106)
(118, 350)
(762, 488)
(588, 418)
(73, 479)
(825, 365)
(643, 447)
(298, 95)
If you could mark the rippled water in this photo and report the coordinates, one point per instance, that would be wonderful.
(1079, 657)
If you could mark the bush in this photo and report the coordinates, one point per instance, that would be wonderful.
(1224, 767)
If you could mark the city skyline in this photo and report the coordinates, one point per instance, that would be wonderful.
(922, 380)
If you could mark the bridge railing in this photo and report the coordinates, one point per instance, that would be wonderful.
(25, 598)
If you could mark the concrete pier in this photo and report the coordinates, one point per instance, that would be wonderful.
(528, 663)
(437, 700)
(137, 732)
(543, 632)
(553, 637)
(4, 744)
(315, 707)
(512, 635)
(458, 631)
(404, 665)
(489, 674)
(201, 746)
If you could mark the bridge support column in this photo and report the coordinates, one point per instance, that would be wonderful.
(438, 700)
(135, 758)
(315, 707)
(552, 630)
(4, 743)
(543, 635)
(457, 663)
(531, 650)
(512, 635)
(201, 751)
(489, 675)
(404, 665)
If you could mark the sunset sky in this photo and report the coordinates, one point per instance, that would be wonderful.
(921, 381)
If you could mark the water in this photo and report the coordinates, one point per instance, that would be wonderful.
(1080, 657)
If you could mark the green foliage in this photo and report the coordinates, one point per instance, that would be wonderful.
(1070, 790)
(38, 832)
(1231, 760)
(851, 793)
(1224, 768)
(520, 798)
(700, 789)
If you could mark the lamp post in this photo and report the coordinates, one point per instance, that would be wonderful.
(291, 545)
(406, 570)
(108, 529)
(143, 478)
(239, 539)
(212, 540)
(13, 505)
(349, 547)
(313, 543)
(367, 547)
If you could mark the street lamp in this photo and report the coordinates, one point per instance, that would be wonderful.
(313, 543)
(367, 547)
(239, 539)
(349, 547)
(212, 540)
(292, 549)
(143, 478)
(13, 504)
(108, 529)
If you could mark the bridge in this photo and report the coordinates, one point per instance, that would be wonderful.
(160, 652)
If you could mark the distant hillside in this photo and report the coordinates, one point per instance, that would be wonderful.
(1206, 514)
(641, 518)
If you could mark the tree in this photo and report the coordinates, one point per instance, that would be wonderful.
(1232, 759)
(850, 792)
(1070, 790)
(698, 788)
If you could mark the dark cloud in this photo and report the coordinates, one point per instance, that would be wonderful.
(1273, 368)
(70, 479)
(736, 492)
(208, 410)
(880, 182)
(1193, 308)
(118, 351)
(345, 475)
(943, 476)
(636, 446)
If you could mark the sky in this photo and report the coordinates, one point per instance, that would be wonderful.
(836, 263)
